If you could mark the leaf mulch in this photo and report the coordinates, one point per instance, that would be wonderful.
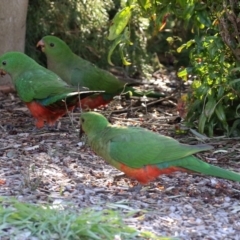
(50, 166)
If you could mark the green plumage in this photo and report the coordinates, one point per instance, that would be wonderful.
(34, 82)
(79, 72)
(46, 95)
(137, 148)
(194, 164)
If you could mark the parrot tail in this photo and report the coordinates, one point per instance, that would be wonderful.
(66, 98)
(194, 164)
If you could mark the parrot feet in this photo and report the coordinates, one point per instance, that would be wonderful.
(136, 189)
(50, 128)
(57, 128)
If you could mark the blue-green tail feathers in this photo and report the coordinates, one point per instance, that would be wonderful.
(194, 164)
(66, 98)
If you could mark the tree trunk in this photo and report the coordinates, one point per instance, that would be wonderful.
(13, 15)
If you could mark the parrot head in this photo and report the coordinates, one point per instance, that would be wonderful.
(53, 47)
(92, 122)
(14, 63)
(6, 63)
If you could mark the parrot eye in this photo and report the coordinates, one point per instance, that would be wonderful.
(51, 44)
(4, 63)
(82, 119)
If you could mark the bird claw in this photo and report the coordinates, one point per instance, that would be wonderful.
(56, 127)
(136, 189)
(53, 129)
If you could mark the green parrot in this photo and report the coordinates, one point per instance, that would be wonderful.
(142, 154)
(79, 72)
(46, 95)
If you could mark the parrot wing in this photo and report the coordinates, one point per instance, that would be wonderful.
(137, 147)
(40, 84)
(88, 75)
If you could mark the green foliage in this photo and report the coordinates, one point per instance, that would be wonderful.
(119, 22)
(45, 222)
(155, 13)
(213, 101)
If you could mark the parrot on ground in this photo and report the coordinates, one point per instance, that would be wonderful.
(142, 154)
(78, 72)
(46, 95)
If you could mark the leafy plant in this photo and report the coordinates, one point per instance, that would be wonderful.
(213, 99)
(156, 13)
(58, 222)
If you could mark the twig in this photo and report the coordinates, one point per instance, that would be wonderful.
(147, 105)
(145, 123)
(6, 148)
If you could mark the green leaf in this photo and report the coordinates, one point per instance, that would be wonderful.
(209, 107)
(122, 40)
(179, 49)
(236, 69)
(220, 92)
(200, 90)
(226, 128)
(188, 11)
(186, 45)
(119, 22)
(170, 40)
(220, 112)
(201, 123)
(145, 4)
(235, 127)
(234, 81)
(124, 60)
(112, 48)
(210, 128)
(183, 74)
(237, 114)
(203, 18)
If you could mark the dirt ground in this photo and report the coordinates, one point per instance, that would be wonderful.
(48, 166)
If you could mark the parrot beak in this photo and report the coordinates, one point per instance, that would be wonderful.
(2, 73)
(41, 45)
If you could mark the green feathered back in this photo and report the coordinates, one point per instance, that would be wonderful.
(134, 146)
